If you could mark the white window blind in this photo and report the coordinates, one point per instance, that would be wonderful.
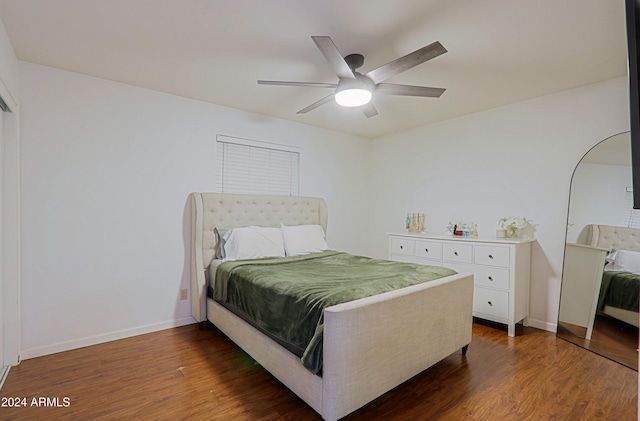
(630, 217)
(253, 167)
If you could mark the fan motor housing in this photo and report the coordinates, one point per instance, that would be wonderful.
(354, 61)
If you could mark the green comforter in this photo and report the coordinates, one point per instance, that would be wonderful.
(286, 296)
(619, 289)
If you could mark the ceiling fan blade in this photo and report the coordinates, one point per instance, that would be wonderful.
(401, 64)
(301, 84)
(408, 90)
(369, 110)
(333, 56)
(316, 104)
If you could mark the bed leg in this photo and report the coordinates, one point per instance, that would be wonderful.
(464, 349)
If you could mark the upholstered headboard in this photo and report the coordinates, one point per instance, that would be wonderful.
(611, 237)
(210, 210)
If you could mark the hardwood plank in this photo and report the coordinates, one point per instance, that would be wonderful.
(191, 374)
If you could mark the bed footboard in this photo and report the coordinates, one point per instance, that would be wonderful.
(373, 344)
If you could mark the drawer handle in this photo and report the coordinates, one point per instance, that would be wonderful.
(490, 303)
(491, 278)
(491, 256)
(455, 252)
(401, 247)
(426, 250)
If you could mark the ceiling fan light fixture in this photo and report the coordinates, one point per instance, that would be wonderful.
(355, 89)
(353, 97)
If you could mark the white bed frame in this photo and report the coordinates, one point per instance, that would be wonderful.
(582, 274)
(610, 237)
(371, 345)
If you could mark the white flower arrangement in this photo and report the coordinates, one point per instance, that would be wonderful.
(511, 224)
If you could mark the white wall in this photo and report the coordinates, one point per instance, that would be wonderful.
(106, 171)
(513, 160)
(597, 196)
(10, 199)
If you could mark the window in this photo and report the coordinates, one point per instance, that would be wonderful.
(253, 167)
(630, 217)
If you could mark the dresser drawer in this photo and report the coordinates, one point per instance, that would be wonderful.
(428, 249)
(491, 277)
(402, 246)
(491, 255)
(416, 260)
(491, 302)
(462, 253)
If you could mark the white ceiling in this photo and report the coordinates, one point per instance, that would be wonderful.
(499, 51)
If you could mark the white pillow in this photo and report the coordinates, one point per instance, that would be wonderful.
(627, 260)
(303, 239)
(253, 243)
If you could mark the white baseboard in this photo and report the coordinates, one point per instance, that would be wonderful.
(40, 351)
(4, 372)
(542, 325)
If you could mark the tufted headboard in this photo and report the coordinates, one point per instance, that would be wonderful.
(610, 237)
(210, 210)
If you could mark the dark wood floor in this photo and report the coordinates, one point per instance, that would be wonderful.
(610, 338)
(191, 374)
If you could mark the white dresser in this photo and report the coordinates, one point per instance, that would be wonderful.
(501, 269)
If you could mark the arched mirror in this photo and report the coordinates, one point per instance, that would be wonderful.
(601, 275)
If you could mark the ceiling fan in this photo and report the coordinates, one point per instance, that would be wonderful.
(354, 89)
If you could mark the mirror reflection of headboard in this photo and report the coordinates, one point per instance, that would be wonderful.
(611, 237)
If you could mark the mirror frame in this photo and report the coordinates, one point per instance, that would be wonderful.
(566, 236)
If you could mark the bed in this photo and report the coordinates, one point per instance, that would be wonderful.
(367, 348)
(596, 280)
(618, 292)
